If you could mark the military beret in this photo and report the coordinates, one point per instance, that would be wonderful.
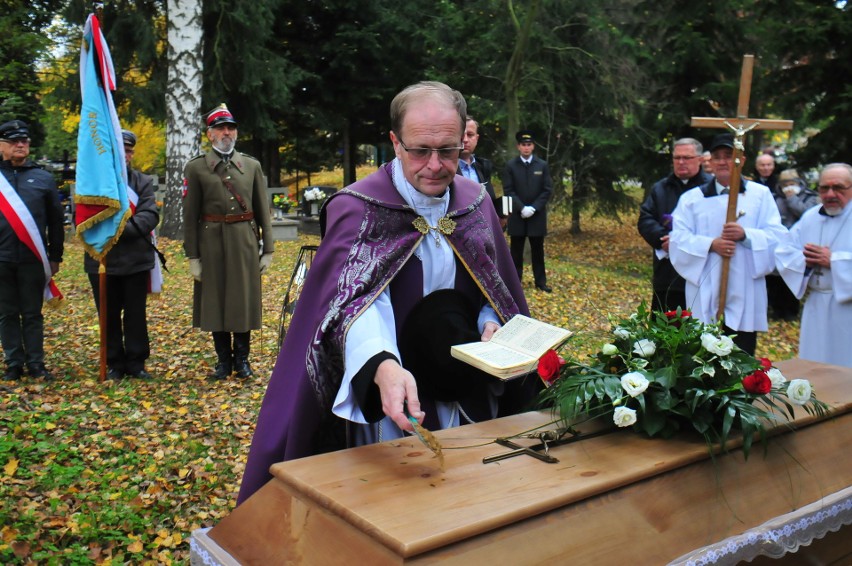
(220, 115)
(525, 136)
(14, 130)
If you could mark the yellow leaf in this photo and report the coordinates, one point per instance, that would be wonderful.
(11, 467)
(183, 411)
(49, 426)
(146, 404)
(182, 473)
(135, 546)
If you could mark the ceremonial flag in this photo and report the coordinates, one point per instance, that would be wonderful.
(101, 200)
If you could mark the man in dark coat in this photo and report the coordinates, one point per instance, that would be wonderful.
(225, 219)
(402, 248)
(655, 220)
(477, 168)
(526, 180)
(128, 268)
(31, 246)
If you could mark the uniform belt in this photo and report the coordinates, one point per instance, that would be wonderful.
(228, 218)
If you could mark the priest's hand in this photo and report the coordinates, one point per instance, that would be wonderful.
(733, 231)
(398, 388)
(488, 330)
(817, 256)
(723, 247)
(195, 268)
(265, 262)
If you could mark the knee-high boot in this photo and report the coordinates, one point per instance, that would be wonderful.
(242, 343)
(225, 365)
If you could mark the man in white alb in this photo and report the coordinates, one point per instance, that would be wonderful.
(816, 259)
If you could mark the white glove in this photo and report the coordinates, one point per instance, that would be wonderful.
(527, 211)
(195, 268)
(265, 262)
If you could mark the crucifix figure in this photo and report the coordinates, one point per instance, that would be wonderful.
(740, 125)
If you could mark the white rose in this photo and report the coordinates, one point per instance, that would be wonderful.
(634, 383)
(624, 416)
(719, 345)
(799, 391)
(609, 349)
(776, 377)
(644, 348)
(621, 332)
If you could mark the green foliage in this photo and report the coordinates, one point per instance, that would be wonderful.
(667, 372)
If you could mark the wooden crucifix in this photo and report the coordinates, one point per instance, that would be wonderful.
(740, 125)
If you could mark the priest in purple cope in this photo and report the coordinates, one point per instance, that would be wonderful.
(412, 259)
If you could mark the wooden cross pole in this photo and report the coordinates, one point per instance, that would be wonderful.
(740, 125)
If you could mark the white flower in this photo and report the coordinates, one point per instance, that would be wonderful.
(609, 349)
(314, 194)
(621, 332)
(644, 348)
(719, 345)
(799, 391)
(776, 377)
(634, 383)
(624, 416)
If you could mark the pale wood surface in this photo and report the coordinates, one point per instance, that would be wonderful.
(391, 503)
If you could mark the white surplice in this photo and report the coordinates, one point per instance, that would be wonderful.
(697, 221)
(374, 331)
(827, 316)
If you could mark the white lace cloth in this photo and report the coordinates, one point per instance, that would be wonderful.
(779, 536)
(203, 551)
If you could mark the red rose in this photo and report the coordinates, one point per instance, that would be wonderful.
(549, 365)
(765, 363)
(757, 383)
(683, 314)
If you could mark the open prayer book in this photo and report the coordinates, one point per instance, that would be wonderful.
(514, 350)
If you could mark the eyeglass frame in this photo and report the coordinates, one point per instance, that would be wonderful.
(431, 150)
(836, 188)
(17, 141)
(684, 157)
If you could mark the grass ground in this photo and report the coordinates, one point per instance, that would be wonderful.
(123, 472)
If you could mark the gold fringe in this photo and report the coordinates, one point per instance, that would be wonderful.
(98, 256)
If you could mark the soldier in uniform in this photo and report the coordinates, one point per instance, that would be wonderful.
(228, 240)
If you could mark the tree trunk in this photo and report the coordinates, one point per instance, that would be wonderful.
(348, 161)
(513, 71)
(183, 105)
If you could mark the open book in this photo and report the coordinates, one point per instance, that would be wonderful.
(514, 350)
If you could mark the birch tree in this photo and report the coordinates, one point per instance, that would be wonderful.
(183, 105)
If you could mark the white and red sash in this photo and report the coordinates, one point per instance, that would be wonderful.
(24, 225)
(155, 276)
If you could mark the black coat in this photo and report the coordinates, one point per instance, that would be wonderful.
(132, 252)
(37, 190)
(653, 223)
(528, 185)
(484, 169)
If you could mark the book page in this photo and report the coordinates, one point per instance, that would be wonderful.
(531, 337)
(496, 355)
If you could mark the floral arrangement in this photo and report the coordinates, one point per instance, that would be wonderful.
(314, 195)
(664, 372)
(282, 201)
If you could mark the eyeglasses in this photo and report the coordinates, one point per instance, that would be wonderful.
(685, 158)
(835, 188)
(424, 153)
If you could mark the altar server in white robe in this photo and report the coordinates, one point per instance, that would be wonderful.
(816, 260)
(700, 238)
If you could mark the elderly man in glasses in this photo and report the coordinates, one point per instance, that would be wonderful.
(816, 260)
(412, 261)
(655, 221)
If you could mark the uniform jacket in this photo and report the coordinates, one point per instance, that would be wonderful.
(133, 252)
(37, 189)
(228, 298)
(528, 185)
(655, 222)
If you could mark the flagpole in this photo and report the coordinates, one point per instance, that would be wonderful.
(102, 318)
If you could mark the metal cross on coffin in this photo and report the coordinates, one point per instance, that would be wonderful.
(740, 126)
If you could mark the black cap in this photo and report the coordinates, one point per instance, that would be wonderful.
(525, 136)
(220, 115)
(129, 138)
(14, 130)
(722, 140)
(437, 322)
